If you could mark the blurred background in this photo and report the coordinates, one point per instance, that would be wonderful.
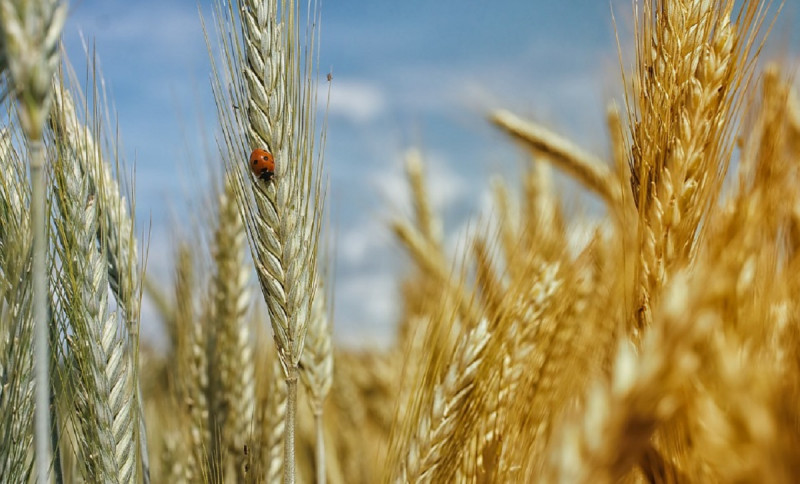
(405, 74)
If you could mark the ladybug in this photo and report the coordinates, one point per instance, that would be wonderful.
(262, 164)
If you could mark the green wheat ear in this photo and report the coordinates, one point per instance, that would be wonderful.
(271, 74)
(16, 323)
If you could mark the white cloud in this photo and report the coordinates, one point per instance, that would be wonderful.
(174, 29)
(445, 185)
(368, 303)
(361, 240)
(358, 101)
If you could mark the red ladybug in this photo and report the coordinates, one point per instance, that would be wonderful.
(262, 164)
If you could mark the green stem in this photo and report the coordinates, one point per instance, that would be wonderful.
(318, 423)
(288, 431)
(40, 321)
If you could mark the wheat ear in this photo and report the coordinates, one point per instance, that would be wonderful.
(115, 232)
(105, 387)
(691, 65)
(614, 431)
(16, 329)
(436, 426)
(316, 370)
(233, 354)
(29, 35)
(192, 383)
(427, 222)
(272, 77)
(586, 168)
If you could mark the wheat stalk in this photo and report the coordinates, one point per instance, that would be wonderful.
(29, 34)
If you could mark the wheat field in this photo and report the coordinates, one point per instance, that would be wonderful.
(664, 348)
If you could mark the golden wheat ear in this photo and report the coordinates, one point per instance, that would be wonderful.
(586, 168)
(693, 61)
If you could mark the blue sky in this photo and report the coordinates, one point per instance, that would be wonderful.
(407, 74)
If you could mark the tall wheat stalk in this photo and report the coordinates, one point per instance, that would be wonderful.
(271, 104)
(29, 34)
